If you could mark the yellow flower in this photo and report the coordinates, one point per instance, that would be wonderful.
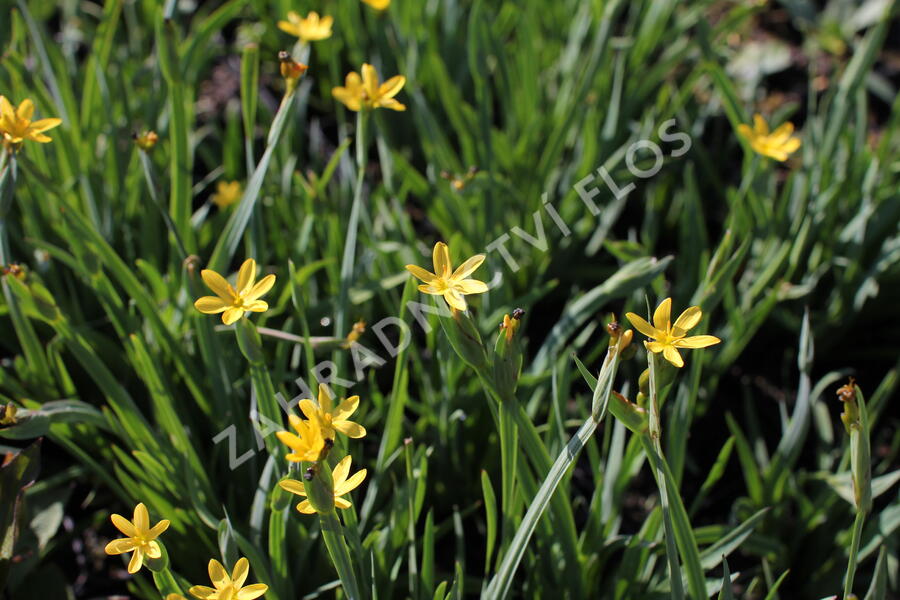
(331, 418)
(311, 29)
(342, 486)
(307, 444)
(778, 145)
(227, 193)
(365, 92)
(146, 141)
(446, 282)
(668, 337)
(16, 125)
(228, 588)
(231, 302)
(140, 537)
(378, 4)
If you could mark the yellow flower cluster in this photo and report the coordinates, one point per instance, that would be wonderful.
(315, 436)
(141, 540)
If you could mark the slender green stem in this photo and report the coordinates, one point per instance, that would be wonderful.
(333, 534)
(655, 455)
(854, 553)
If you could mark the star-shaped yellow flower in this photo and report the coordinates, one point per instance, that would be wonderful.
(778, 145)
(310, 29)
(378, 4)
(366, 93)
(140, 537)
(446, 282)
(667, 338)
(307, 444)
(229, 588)
(342, 486)
(16, 125)
(333, 418)
(227, 193)
(234, 302)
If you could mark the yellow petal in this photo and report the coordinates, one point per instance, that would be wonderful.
(655, 347)
(671, 354)
(288, 27)
(349, 428)
(6, 109)
(137, 559)
(157, 529)
(246, 276)
(341, 470)
(391, 104)
(123, 525)
(455, 299)
(43, 125)
(760, 127)
(203, 592)
(240, 572)
(308, 408)
(440, 256)
(697, 341)
(265, 284)
(421, 274)
(257, 306)
(791, 145)
(153, 550)
(782, 133)
(342, 503)
(251, 592)
(25, 110)
(232, 315)
(433, 290)
(662, 315)
(470, 286)
(324, 398)
(293, 486)
(688, 319)
(348, 98)
(642, 325)
(210, 305)
(391, 87)
(468, 267)
(306, 508)
(218, 285)
(39, 137)
(217, 574)
(141, 518)
(745, 131)
(346, 408)
(119, 546)
(370, 81)
(351, 484)
(289, 439)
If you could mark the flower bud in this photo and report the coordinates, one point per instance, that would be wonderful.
(856, 423)
(320, 487)
(291, 70)
(508, 352)
(465, 338)
(146, 140)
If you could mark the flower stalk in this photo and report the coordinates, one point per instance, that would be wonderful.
(856, 423)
